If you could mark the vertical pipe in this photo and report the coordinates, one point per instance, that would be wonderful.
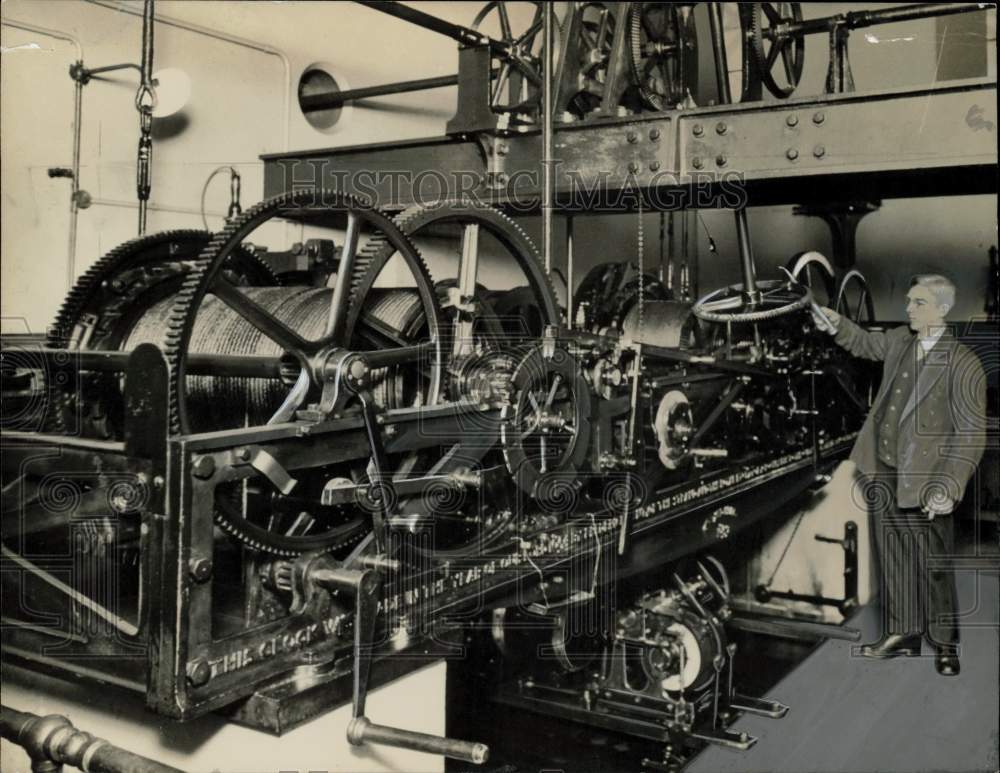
(77, 108)
(569, 272)
(74, 208)
(725, 97)
(548, 179)
(719, 50)
(747, 268)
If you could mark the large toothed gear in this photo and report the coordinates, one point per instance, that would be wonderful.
(370, 259)
(107, 300)
(663, 54)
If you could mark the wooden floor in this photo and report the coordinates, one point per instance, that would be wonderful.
(855, 715)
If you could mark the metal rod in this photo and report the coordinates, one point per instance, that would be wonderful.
(333, 99)
(74, 197)
(90, 72)
(54, 739)
(859, 19)
(233, 365)
(548, 178)
(747, 266)
(569, 272)
(457, 32)
(364, 731)
(719, 50)
(145, 99)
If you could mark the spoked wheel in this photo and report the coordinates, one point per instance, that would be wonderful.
(298, 335)
(516, 83)
(481, 239)
(730, 304)
(768, 44)
(465, 245)
(301, 334)
(663, 55)
(591, 54)
(545, 428)
(854, 301)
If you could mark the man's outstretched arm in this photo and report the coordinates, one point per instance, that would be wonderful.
(872, 345)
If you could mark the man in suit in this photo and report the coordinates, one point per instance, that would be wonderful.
(916, 452)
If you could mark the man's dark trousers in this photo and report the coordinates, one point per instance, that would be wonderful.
(914, 555)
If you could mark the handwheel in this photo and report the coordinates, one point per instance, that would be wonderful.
(730, 304)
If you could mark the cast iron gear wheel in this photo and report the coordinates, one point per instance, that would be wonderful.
(790, 48)
(129, 279)
(368, 262)
(503, 228)
(668, 55)
(462, 212)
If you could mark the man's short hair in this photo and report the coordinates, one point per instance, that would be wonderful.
(941, 287)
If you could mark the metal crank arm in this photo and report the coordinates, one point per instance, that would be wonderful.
(361, 730)
(380, 484)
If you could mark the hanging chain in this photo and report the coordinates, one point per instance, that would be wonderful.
(145, 101)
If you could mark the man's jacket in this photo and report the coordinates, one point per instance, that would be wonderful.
(942, 428)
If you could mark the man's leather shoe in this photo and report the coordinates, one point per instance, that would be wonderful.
(946, 661)
(893, 646)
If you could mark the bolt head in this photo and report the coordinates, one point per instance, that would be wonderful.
(697, 162)
(654, 166)
(819, 151)
(633, 167)
(654, 134)
(792, 120)
(203, 467)
(792, 154)
(818, 118)
(198, 672)
(632, 136)
(698, 130)
(243, 454)
(200, 569)
(721, 160)
(358, 370)
(721, 128)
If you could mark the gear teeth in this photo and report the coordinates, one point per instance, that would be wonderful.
(525, 252)
(115, 261)
(182, 313)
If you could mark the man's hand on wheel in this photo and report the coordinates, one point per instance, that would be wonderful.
(832, 317)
